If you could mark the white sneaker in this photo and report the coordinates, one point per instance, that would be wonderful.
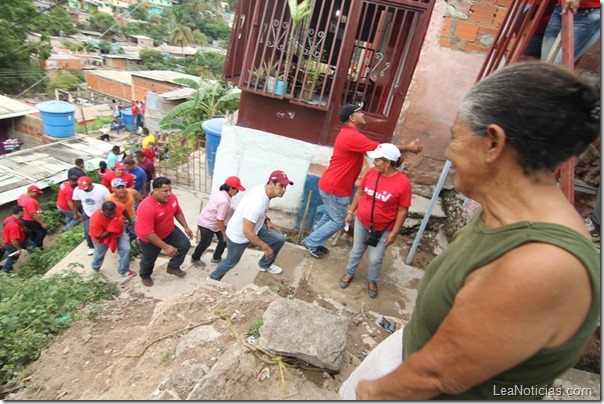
(90, 251)
(273, 269)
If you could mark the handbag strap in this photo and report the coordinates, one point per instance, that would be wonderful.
(373, 205)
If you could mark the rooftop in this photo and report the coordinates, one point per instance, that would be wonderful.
(10, 108)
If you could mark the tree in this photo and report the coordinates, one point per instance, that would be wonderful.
(139, 12)
(59, 23)
(64, 81)
(181, 34)
(199, 38)
(206, 64)
(18, 19)
(211, 99)
(102, 22)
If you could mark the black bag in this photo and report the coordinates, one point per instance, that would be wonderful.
(373, 237)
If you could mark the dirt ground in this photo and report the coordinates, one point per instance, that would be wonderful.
(183, 346)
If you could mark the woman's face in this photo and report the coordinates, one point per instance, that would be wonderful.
(465, 153)
(381, 165)
(233, 191)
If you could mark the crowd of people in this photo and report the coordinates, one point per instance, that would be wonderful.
(513, 300)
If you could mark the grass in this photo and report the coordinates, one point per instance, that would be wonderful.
(94, 125)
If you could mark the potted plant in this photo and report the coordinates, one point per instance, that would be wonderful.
(257, 76)
(315, 75)
(272, 74)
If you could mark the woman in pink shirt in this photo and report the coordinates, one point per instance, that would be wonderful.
(212, 220)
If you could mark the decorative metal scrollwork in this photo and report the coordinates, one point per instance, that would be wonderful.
(279, 42)
(379, 56)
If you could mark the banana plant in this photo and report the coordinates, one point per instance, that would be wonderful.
(298, 12)
(210, 99)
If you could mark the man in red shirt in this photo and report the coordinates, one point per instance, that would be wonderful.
(118, 172)
(337, 182)
(14, 238)
(147, 165)
(149, 151)
(107, 232)
(65, 202)
(156, 231)
(31, 218)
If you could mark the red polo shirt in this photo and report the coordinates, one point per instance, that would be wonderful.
(155, 217)
(65, 195)
(126, 177)
(30, 204)
(12, 229)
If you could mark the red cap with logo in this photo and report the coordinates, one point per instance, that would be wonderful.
(34, 188)
(234, 182)
(280, 177)
(119, 165)
(84, 182)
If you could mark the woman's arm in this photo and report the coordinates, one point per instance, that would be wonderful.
(398, 223)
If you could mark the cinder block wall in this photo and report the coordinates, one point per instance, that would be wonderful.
(109, 87)
(29, 130)
(142, 85)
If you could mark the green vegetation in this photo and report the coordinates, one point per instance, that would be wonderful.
(33, 308)
(253, 329)
(63, 81)
(103, 22)
(94, 125)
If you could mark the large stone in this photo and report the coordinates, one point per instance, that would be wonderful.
(304, 331)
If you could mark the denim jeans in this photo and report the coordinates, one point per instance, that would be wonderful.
(36, 232)
(10, 261)
(586, 30)
(206, 239)
(86, 223)
(376, 254)
(336, 208)
(69, 220)
(123, 250)
(150, 252)
(273, 238)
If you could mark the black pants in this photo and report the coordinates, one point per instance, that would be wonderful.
(150, 252)
(206, 239)
(36, 232)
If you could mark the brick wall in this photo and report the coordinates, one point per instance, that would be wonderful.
(109, 87)
(29, 130)
(142, 85)
(471, 25)
(115, 63)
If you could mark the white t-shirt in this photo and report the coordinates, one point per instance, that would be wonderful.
(252, 207)
(92, 200)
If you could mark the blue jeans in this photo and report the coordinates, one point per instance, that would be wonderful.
(69, 220)
(123, 250)
(586, 30)
(10, 261)
(150, 252)
(376, 254)
(336, 208)
(86, 223)
(273, 238)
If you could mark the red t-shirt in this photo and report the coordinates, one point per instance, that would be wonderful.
(149, 168)
(346, 162)
(584, 3)
(65, 195)
(134, 110)
(12, 229)
(392, 192)
(109, 176)
(115, 226)
(155, 217)
(148, 153)
(30, 204)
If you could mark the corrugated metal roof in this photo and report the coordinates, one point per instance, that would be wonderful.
(47, 164)
(178, 94)
(115, 75)
(10, 108)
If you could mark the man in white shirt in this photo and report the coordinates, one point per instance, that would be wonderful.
(249, 224)
(89, 197)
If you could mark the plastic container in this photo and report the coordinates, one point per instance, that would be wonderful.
(58, 118)
(128, 120)
(213, 130)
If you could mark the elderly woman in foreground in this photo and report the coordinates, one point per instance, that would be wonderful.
(512, 302)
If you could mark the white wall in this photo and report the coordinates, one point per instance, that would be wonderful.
(252, 155)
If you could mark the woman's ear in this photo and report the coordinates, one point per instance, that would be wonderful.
(495, 142)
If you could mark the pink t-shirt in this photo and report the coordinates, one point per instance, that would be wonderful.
(346, 162)
(30, 204)
(217, 208)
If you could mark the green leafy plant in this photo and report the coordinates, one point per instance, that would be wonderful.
(253, 329)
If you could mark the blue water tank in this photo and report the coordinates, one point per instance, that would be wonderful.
(213, 130)
(58, 118)
(128, 120)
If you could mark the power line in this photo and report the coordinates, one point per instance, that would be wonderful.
(61, 2)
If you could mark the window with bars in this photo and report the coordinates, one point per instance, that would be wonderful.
(342, 51)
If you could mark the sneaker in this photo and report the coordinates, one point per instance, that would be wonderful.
(147, 282)
(198, 263)
(216, 261)
(273, 269)
(315, 252)
(593, 229)
(90, 251)
(176, 271)
(324, 250)
(129, 273)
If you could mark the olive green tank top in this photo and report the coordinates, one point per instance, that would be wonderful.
(473, 247)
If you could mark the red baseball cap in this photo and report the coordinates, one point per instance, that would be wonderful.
(119, 165)
(234, 182)
(84, 182)
(280, 177)
(34, 188)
